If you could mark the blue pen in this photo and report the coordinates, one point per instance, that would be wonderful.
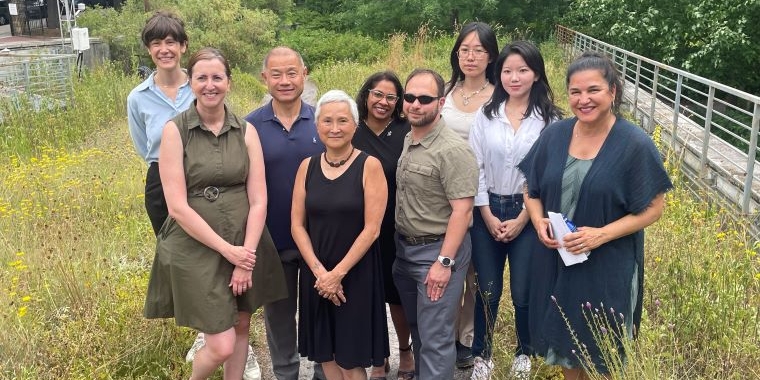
(570, 224)
(573, 228)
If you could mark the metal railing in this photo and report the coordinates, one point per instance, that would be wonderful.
(716, 123)
(37, 80)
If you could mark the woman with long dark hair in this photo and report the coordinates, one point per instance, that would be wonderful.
(519, 109)
(381, 134)
(471, 84)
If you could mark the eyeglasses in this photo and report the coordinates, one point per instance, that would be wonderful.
(424, 99)
(390, 98)
(476, 53)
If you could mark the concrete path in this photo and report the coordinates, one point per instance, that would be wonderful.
(306, 371)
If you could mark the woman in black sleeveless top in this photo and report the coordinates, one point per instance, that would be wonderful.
(335, 223)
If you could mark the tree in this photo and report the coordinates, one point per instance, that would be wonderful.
(717, 39)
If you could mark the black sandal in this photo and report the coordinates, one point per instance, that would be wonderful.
(387, 371)
(405, 375)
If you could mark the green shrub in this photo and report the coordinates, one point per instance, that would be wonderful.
(321, 46)
(244, 35)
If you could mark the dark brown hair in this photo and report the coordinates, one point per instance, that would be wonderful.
(436, 77)
(370, 83)
(592, 60)
(161, 25)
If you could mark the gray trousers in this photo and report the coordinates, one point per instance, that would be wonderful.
(433, 324)
(280, 320)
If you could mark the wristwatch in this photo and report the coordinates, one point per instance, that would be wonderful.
(447, 262)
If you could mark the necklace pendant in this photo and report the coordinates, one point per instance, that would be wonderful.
(389, 133)
(465, 101)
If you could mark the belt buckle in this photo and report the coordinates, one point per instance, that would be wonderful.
(211, 193)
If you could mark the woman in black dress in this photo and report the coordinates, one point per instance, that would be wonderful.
(381, 134)
(335, 222)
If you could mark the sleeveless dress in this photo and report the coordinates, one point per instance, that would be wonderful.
(387, 148)
(355, 333)
(189, 281)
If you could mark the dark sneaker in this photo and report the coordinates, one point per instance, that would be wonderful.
(464, 356)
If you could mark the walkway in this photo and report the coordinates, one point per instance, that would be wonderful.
(306, 371)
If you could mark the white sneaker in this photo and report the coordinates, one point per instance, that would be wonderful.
(521, 367)
(199, 342)
(252, 370)
(482, 369)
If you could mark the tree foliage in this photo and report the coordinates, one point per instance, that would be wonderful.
(243, 34)
(380, 18)
(717, 39)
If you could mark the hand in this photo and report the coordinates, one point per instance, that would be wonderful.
(241, 281)
(493, 224)
(336, 298)
(584, 240)
(510, 229)
(545, 234)
(437, 279)
(328, 283)
(241, 257)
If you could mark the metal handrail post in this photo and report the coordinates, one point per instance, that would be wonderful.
(652, 107)
(708, 125)
(752, 154)
(636, 84)
(625, 70)
(676, 110)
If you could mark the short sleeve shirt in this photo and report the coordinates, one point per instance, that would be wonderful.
(431, 172)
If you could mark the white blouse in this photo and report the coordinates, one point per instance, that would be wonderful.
(459, 121)
(499, 149)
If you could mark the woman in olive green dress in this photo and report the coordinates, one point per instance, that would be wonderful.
(215, 261)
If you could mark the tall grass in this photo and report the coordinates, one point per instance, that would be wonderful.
(76, 247)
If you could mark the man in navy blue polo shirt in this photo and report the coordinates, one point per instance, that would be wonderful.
(288, 134)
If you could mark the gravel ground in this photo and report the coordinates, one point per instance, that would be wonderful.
(306, 372)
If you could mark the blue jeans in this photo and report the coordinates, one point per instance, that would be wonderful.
(489, 257)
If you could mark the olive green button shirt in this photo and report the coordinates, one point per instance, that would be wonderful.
(432, 171)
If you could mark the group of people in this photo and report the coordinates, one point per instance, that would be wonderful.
(413, 195)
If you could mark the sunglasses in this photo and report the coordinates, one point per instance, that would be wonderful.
(424, 99)
(390, 98)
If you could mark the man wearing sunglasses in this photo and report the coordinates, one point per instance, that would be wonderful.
(437, 179)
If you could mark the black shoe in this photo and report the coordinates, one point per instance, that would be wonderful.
(464, 356)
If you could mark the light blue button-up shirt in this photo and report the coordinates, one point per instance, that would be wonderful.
(148, 110)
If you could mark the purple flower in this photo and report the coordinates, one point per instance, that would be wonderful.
(621, 316)
(604, 331)
(553, 298)
(657, 302)
(588, 305)
(612, 311)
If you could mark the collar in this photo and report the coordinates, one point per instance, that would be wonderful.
(431, 136)
(147, 83)
(307, 111)
(194, 120)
